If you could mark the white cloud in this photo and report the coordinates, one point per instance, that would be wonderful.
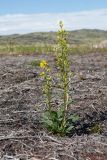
(25, 23)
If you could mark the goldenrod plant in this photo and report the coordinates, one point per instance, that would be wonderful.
(47, 83)
(64, 68)
(58, 121)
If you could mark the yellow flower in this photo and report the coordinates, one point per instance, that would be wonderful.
(43, 64)
(49, 78)
(48, 69)
(42, 73)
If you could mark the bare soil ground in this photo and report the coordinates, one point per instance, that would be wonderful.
(22, 135)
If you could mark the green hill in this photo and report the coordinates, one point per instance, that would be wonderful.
(74, 37)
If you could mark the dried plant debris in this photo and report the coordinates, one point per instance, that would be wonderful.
(22, 136)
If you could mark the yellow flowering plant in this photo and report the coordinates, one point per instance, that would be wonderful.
(47, 84)
(43, 64)
(64, 69)
(57, 121)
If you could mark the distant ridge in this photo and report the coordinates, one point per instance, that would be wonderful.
(75, 37)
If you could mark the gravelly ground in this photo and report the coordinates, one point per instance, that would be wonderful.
(21, 133)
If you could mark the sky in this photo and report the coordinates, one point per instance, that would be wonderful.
(25, 16)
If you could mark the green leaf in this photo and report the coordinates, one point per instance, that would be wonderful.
(55, 127)
(46, 115)
(53, 115)
(69, 129)
(73, 118)
(60, 112)
(50, 120)
(46, 119)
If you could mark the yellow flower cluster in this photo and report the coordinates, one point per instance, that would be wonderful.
(43, 64)
(42, 73)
